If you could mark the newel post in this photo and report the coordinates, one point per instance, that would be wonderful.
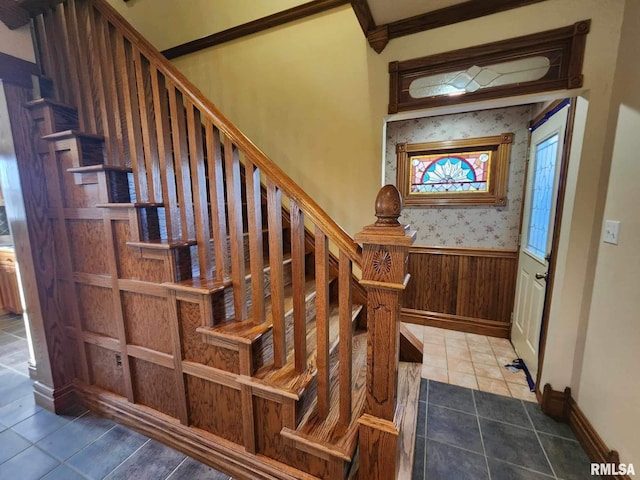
(385, 247)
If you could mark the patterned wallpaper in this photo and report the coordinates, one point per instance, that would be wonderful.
(482, 226)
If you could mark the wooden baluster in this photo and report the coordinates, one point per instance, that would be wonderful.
(199, 184)
(124, 66)
(67, 28)
(346, 331)
(57, 57)
(254, 212)
(95, 67)
(181, 162)
(384, 276)
(109, 79)
(149, 140)
(274, 212)
(76, 31)
(322, 320)
(44, 48)
(298, 287)
(216, 197)
(167, 175)
(234, 207)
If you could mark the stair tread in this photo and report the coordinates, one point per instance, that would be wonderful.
(131, 205)
(247, 331)
(73, 133)
(286, 378)
(408, 395)
(101, 167)
(160, 244)
(199, 285)
(325, 433)
(48, 101)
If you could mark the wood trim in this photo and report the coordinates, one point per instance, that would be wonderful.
(13, 15)
(203, 446)
(464, 251)
(265, 23)
(496, 194)
(17, 71)
(563, 407)
(568, 43)
(562, 183)
(480, 326)
(453, 14)
(364, 16)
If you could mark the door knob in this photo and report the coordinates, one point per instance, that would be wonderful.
(541, 276)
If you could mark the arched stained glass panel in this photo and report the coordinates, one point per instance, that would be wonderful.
(464, 172)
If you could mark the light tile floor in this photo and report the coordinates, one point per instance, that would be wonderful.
(472, 361)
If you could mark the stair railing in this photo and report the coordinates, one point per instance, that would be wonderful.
(188, 158)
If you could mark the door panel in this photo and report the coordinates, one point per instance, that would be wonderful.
(545, 155)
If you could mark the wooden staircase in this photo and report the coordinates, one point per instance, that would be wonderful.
(211, 303)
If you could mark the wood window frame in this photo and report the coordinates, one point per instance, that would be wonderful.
(566, 45)
(496, 195)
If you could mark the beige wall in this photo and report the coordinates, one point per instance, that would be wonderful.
(17, 42)
(609, 390)
(313, 96)
(194, 18)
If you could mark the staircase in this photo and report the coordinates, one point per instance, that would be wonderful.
(211, 303)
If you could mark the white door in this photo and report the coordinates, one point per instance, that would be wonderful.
(545, 157)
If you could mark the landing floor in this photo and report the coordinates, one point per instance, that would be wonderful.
(467, 434)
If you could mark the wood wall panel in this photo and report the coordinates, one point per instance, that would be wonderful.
(96, 310)
(146, 321)
(193, 346)
(130, 263)
(433, 284)
(104, 370)
(88, 245)
(215, 408)
(268, 415)
(463, 285)
(75, 196)
(154, 386)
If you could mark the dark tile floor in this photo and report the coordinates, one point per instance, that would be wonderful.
(462, 434)
(37, 444)
(466, 434)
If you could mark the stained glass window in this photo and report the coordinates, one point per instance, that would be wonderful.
(468, 171)
(450, 173)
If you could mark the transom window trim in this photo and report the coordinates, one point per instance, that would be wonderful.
(545, 61)
(470, 171)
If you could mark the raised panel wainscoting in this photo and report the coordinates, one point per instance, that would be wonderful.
(466, 289)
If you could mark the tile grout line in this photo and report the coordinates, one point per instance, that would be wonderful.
(540, 442)
(177, 467)
(123, 461)
(484, 451)
(426, 415)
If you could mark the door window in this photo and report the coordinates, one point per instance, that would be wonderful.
(542, 196)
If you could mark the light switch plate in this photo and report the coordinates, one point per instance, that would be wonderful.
(611, 231)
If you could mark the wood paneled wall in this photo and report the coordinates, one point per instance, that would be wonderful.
(467, 289)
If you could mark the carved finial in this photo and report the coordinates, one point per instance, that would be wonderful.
(388, 206)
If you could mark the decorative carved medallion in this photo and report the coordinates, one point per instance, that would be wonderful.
(382, 262)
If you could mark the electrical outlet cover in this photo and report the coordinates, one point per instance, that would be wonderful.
(611, 231)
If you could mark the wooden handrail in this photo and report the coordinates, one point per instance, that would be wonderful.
(312, 210)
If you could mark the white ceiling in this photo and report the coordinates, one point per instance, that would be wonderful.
(386, 11)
